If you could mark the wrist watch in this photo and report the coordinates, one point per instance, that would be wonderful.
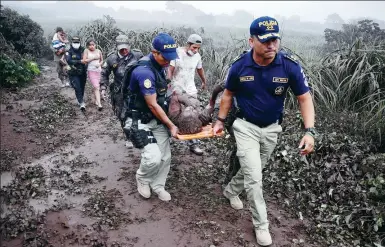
(221, 119)
(311, 131)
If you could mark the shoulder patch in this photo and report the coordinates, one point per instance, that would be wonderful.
(239, 57)
(291, 57)
(147, 83)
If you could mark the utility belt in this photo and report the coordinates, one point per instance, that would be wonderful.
(144, 117)
(139, 137)
(257, 123)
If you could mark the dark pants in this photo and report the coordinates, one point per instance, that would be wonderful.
(78, 82)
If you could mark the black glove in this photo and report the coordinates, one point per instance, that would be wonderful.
(139, 138)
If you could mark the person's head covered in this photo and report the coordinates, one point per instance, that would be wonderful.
(194, 42)
(265, 28)
(75, 42)
(165, 46)
(122, 44)
(194, 39)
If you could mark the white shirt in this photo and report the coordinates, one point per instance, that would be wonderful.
(55, 37)
(184, 73)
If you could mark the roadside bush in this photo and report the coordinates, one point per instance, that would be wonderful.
(21, 41)
(24, 34)
(340, 187)
(16, 73)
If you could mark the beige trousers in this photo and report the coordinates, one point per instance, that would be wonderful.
(156, 157)
(254, 147)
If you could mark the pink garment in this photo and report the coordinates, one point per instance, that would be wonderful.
(94, 78)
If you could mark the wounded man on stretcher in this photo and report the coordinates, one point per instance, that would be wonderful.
(190, 118)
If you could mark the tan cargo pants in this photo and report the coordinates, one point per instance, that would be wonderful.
(156, 157)
(254, 147)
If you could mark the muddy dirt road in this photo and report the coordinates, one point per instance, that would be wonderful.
(68, 180)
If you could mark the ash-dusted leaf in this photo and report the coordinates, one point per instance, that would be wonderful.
(332, 178)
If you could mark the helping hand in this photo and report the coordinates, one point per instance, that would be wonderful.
(218, 127)
(209, 108)
(308, 143)
(174, 131)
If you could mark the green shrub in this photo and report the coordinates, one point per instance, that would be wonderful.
(16, 73)
(25, 35)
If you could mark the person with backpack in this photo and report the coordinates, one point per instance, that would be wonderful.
(116, 63)
(148, 126)
(77, 72)
(259, 80)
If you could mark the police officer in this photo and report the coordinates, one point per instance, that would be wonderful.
(259, 80)
(77, 73)
(149, 125)
(117, 62)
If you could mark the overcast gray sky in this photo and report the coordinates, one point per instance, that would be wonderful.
(307, 10)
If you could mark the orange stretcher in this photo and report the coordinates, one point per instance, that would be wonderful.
(207, 132)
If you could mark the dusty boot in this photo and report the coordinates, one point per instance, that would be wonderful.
(163, 195)
(263, 237)
(129, 145)
(63, 84)
(196, 150)
(83, 106)
(235, 202)
(143, 189)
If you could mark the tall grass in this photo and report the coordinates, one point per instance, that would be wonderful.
(353, 79)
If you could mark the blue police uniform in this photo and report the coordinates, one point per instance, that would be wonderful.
(77, 73)
(143, 78)
(260, 90)
(149, 78)
(260, 93)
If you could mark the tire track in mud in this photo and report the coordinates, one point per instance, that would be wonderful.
(80, 190)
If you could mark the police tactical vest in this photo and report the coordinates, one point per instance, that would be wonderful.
(137, 101)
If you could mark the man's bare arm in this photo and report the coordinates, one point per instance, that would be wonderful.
(201, 74)
(218, 89)
(226, 101)
(170, 72)
(307, 109)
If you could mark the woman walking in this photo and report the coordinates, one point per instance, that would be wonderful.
(77, 72)
(94, 59)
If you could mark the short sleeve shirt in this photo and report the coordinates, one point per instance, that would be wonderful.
(184, 73)
(261, 90)
(143, 79)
